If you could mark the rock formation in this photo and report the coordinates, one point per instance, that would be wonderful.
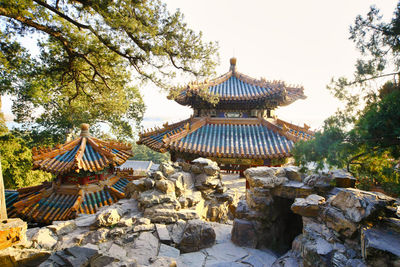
(182, 191)
(321, 224)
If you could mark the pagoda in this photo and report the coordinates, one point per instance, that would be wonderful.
(239, 130)
(84, 180)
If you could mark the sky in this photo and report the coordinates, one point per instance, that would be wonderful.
(300, 42)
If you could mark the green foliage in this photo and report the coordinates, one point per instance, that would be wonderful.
(141, 152)
(16, 163)
(90, 55)
(364, 137)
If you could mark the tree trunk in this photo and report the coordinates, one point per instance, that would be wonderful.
(3, 209)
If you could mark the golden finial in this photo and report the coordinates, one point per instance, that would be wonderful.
(85, 129)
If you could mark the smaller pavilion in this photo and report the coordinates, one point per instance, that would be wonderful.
(85, 180)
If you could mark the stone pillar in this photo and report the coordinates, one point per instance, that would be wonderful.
(3, 209)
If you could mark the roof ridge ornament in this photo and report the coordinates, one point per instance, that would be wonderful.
(233, 64)
(85, 130)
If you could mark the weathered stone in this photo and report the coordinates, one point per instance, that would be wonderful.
(95, 237)
(336, 220)
(11, 256)
(116, 232)
(84, 220)
(221, 254)
(170, 215)
(144, 248)
(101, 261)
(185, 166)
(290, 259)
(196, 169)
(163, 233)
(358, 205)
(194, 259)
(190, 199)
(292, 190)
(158, 176)
(117, 252)
(266, 181)
(126, 222)
(153, 197)
(168, 251)
(203, 181)
(211, 170)
(108, 217)
(162, 262)
(62, 227)
(74, 256)
(380, 247)
(393, 223)
(312, 227)
(136, 186)
(204, 162)
(184, 178)
(343, 179)
(143, 227)
(258, 199)
(197, 235)
(243, 233)
(45, 238)
(177, 231)
(12, 232)
(308, 206)
(259, 172)
(165, 186)
(318, 180)
(166, 169)
(316, 252)
(293, 173)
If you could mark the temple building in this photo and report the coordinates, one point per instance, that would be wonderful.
(84, 180)
(239, 129)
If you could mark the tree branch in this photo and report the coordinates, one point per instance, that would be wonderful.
(62, 15)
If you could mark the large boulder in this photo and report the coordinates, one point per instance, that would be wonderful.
(243, 233)
(62, 227)
(165, 186)
(144, 248)
(45, 238)
(358, 205)
(318, 180)
(343, 178)
(12, 231)
(153, 197)
(380, 247)
(136, 186)
(197, 235)
(74, 256)
(108, 217)
(266, 181)
(338, 222)
(308, 206)
(293, 173)
(167, 169)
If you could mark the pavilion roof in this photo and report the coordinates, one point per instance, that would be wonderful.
(236, 87)
(84, 153)
(234, 138)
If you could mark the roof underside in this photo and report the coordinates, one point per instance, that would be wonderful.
(234, 138)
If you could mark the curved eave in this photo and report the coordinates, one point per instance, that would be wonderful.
(241, 90)
(85, 153)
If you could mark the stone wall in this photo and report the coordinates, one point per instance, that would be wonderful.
(321, 225)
